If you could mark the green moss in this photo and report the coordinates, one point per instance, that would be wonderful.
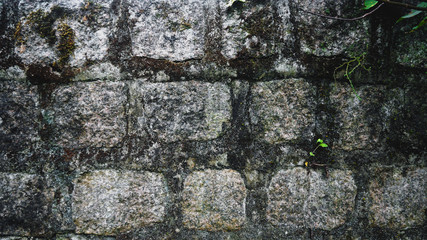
(41, 22)
(66, 45)
(18, 33)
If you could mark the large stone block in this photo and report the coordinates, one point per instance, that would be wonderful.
(321, 36)
(283, 110)
(19, 115)
(297, 199)
(179, 111)
(106, 202)
(254, 30)
(214, 200)
(398, 198)
(24, 205)
(360, 122)
(88, 114)
(168, 29)
(40, 31)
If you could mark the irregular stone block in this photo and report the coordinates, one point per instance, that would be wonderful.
(282, 110)
(255, 30)
(168, 29)
(359, 123)
(88, 114)
(39, 35)
(24, 205)
(398, 198)
(106, 202)
(300, 200)
(318, 35)
(19, 115)
(214, 200)
(180, 110)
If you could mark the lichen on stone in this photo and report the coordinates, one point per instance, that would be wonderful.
(66, 45)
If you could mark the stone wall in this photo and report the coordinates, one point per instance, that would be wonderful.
(194, 119)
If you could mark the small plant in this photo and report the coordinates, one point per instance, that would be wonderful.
(320, 144)
(350, 66)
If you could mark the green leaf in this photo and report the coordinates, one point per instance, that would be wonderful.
(369, 4)
(312, 154)
(424, 21)
(413, 13)
(323, 145)
(319, 141)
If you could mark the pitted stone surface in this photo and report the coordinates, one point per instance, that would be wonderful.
(214, 200)
(168, 29)
(91, 21)
(319, 35)
(282, 110)
(106, 202)
(398, 198)
(297, 199)
(19, 115)
(88, 114)
(180, 111)
(24, 204)
(287, 194)
(358, 129)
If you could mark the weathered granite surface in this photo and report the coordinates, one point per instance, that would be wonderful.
(398, 198)
(106, 202)
(88, 114)
(214, 200)
(176, 111)
(24, 205)
(191, 119)
(301, 199)
(283, 110)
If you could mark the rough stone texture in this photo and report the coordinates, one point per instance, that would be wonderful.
(398, 198)
(167, 29)
(297, 199)
(19, 115)
(282, 110)
(24, 205)
(255, 31)
(178, 87)
(360, 122)
(214, 200)
(180, 111)
(88, 114)
(91, 22)
(327, 37)
(106, 202)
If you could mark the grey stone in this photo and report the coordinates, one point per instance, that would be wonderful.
(254, 31)
(297, 199)
(282, 110)
(19, 115)
(214, 200)
(24, 205)
(320, 36)
(179, 111)
(398, 198)
(167, 29)
(88, 114)
(91, 22)
(357, 129)
(82, 237)
(107, 202)
(101, 71)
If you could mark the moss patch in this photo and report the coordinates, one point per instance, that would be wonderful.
(66, 45)
(41, 22)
